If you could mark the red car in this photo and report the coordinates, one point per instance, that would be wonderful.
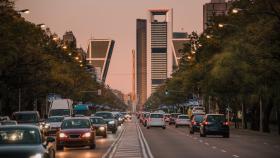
(75, 132)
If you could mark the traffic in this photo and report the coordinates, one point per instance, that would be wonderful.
(27, 134)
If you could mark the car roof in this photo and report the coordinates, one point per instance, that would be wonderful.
(104, 112)
(25, 112)
(157, 113)
(20, 126)
(77, 118)
(96, 117)
(56, 116)
(215, 114)
(183, 115)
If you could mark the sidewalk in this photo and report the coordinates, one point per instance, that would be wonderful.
(130, 143)
(273, 130)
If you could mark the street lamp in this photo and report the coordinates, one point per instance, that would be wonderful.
(69, 54)
(221, 25)
(77, 58)
(41, 25)
(189, 57)
(208, 36)
(64, 47)
(25, 11)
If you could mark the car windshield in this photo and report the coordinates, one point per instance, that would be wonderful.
(215, 118)
(26, 117)
(156, 116)
(198, 118)
(60, 112)
(105, 115)
(97, 121)
(19, 136)
(183, 117)
(55, 119)
(75, 123)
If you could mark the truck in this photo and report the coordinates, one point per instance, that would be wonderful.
(61, 107)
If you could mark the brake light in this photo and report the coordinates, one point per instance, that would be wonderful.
(193, 122)
(226, 123)
(206, 123)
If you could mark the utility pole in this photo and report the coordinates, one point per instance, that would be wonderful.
(19, 99)
(261, 115)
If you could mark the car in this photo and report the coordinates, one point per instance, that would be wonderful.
(8, 122)
(198, 110)
(3, 118)
(112, 123)
(61, 107)
(156, 120)
(214, 124)
(75, 132)
(100, 125)
(119, 117)
(145, 118)
(25, 141)
(182, 120)
(196, 120)
(173, 117)
(167, 117)
(52, 125)
(27, 117)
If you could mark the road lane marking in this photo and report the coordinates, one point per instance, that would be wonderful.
(150, 155)
(223, 151)
(214, 147)
(265, 143)
(235, 156)
(201, 141)
(206, 143)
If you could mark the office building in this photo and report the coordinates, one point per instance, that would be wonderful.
(141, 62)
(69, 39)
(99, 55)
(178, 42)
(159, 50)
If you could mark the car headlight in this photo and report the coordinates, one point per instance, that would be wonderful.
(86, 135)
(47, 126)
(120, 119)
(111, 122)
(101, 128)
(36, 156)
(62, 135)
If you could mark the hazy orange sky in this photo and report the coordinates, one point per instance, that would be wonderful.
(113, 19)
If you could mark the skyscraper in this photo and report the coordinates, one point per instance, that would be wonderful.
(141, 61)
(178, 42)
(159, 50)
(99, 56)
(69, 39)
(214, 8)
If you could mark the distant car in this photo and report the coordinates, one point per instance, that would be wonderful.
(119, 117)
(173, 117)
(75, 132)
(182, 120)
(196, 120)
(25, 141)
(145, 118)
(198, 110)
(156, 120)
(3, 118)
(8, 122)
(112, 123)
(100, 125)
(27, 117)
(52, 125)
(214, 124)
(167, 117)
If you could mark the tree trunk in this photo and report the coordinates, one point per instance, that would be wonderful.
(244, 116)
(278, 118)
(266, 117)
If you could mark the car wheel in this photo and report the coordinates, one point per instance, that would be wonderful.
(148, 127)
(59, 147)
(93, 146)
(114, 131)
(226, 135)
(176, 126)
(163, 127)
(191, 131)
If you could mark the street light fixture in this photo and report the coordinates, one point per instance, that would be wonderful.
(69, 54)
(208, 36)
(221, 25)
(41, 25)
(189, 57)
(77, 58)
(64, 47)
(25, 11)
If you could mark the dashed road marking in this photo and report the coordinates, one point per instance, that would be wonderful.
(265, 143)
(223, 151)
(214, 147)
(194, 138)
(200, 141)
(235, 156)
(206, 143)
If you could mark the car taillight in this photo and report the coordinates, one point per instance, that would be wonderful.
(193, 122)
(206, 123)
(226, 123)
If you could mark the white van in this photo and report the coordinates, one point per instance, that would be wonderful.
(61, 107)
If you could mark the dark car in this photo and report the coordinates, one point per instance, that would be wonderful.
(100, 126)
(196, 120)
(27, 117)
(112, 123)
(173, 117)
(8, 122)
(214, 124)
(24, 141)
(75, 132)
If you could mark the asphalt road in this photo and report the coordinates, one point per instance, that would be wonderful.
(102, 145)
(177, 142)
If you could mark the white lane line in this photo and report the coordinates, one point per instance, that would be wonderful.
(150, 155)
(206, 143)
(194, 138)
(214, 147)
(201, 141)
(223, 151)
(235, 156)
(265, 143)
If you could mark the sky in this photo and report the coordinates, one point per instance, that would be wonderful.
(110, 19)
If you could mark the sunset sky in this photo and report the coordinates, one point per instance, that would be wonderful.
(112, 19)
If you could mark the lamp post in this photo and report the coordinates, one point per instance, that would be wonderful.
(25, 11)
(42, 25)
